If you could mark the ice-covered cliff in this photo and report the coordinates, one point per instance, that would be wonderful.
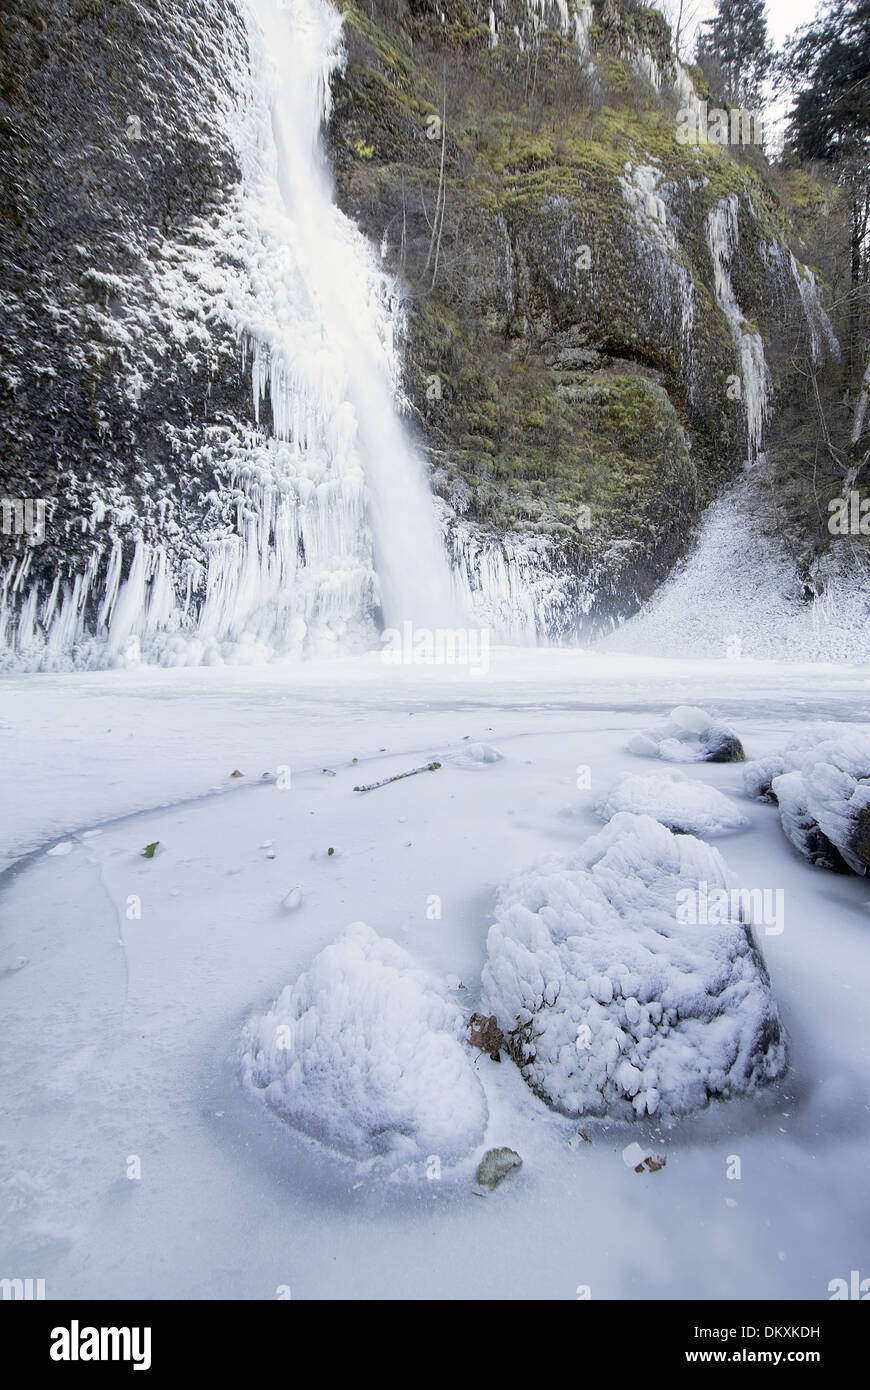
(209, 351)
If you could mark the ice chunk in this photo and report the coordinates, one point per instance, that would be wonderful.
(473, 756)
(483, 753)
(633, 1156)
(675, 801)
(690, 1013)
(689, 735)
(364, 1054)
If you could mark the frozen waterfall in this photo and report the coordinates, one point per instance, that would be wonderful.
(323, 522)
(328, 357)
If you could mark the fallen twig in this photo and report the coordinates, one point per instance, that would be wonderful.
(372, 786)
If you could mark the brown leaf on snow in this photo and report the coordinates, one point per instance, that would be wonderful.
(486, 1034)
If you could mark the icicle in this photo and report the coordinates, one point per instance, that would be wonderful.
(672, 280)
(722, 241)
(823, 339)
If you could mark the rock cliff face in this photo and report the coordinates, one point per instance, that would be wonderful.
(591, 319)
(596, 311)
(120, 386)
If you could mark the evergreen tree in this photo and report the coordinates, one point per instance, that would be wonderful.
(734, 51)
(828, 62)
(827, 67)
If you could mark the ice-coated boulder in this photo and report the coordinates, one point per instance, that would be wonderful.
(689, 735)
(802, 750)
(821, 781)
(679, 803)
(758, 777)
(613, 1004)
(801, 827)
(838, 797)
(364, 1054)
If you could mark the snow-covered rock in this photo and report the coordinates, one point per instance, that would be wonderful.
(680, 804)
(483, 753)
(612, 1006)
(690, 735)
(800, 826)
(799, 754)
(364, 1054)
(473, 756)
(821, 781)
(758, 777)
(838, 796)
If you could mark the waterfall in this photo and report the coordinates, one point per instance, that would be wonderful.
(824, 345)
(322, 521)
(722, 242)
(329, 355)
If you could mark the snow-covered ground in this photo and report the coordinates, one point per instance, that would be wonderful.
(740, 594)
(136, 1158)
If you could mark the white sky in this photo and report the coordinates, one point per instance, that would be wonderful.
(785, 15)
(782, 16)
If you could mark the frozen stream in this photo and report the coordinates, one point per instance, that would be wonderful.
(121, 1032)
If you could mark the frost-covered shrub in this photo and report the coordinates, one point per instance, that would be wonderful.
(610, 1004)
(364, 1054)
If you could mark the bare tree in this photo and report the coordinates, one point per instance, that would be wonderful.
(684, 17)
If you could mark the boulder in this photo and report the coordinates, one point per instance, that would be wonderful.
(690, 735)
(611, 1005)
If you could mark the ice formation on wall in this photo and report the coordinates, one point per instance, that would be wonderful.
(722, 240)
